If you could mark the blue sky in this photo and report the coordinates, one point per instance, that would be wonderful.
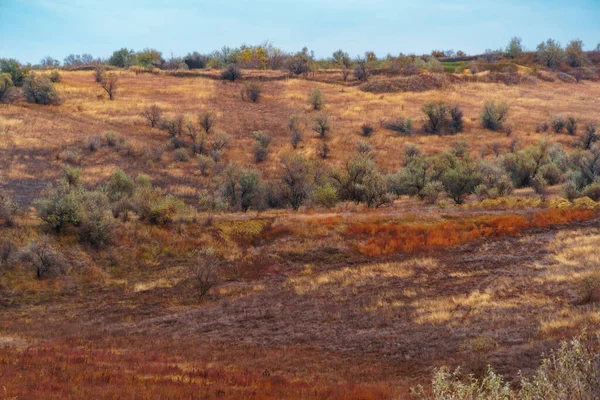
(32, 29)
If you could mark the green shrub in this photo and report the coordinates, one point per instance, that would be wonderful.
(494, 115)
(315, 99)
(151, 204)
(205, 163)
(559, 122)
(55, 76)
(8, 209)
(261, 146)
(326, 196)
(62, 207)
(321, 125)
(571, 125)
(6, 86)
(40, 90)
(442, 118)
(401, 126)
(182, 155)
(112, 138)
(592, 191)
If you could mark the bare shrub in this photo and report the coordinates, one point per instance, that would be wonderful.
(542, 127)
(252, 91)
(45, 258)
(204, 276)
(109, 81)
(205, 164)
(93, 143)
(152, 114)
(324, 151)
(590, 135)
(295, 131)
(206, 121)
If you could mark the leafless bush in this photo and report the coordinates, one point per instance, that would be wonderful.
(109, 81)
(93, 143)
(45, 259)
(204, 276)
(206, 121)
(590, 135)
(152, 114)
(252, 91)
(295, 131)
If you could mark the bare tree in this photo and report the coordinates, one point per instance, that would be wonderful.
(206, 121)
(109, 82)
(361, 69)
(204, 275)
(152, 114)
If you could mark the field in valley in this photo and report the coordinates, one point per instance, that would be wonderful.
(344, 302)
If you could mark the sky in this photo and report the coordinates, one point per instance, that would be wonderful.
(33, 29)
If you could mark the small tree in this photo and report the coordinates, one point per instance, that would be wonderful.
(204, 276)
(321, 125)
(43, 257)
(514, 48)
(315, 99)
(362, 68)
(494, 115)
(152, 114)
(6, 86)
(550, 53)
(574, 53)
(109, 82)
(297, 180)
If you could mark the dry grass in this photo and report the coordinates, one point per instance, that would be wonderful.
(300, 311)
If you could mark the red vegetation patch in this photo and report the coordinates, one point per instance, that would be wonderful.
(407, 238)
(81, 373)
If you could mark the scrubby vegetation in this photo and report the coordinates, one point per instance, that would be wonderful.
(274, 210)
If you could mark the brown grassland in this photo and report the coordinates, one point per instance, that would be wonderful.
(343, 303)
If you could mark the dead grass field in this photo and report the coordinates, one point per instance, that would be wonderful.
(301, 311)
(34, 136)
